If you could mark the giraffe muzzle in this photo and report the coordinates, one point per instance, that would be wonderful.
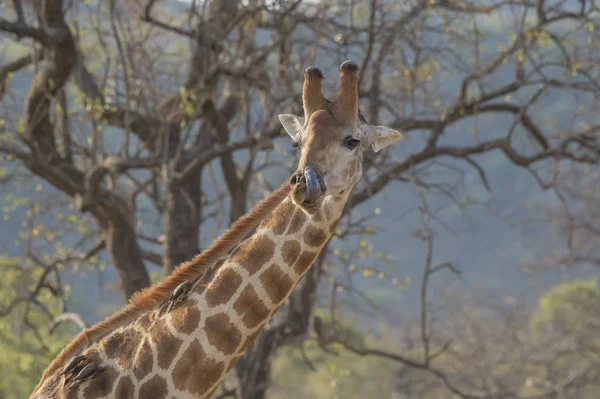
(313, 187)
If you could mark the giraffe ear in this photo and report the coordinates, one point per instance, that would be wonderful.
(292, 125)
(384, 136)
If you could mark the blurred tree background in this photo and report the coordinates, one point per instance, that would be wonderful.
(133, 132)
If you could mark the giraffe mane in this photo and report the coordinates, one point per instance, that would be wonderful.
(146, 299)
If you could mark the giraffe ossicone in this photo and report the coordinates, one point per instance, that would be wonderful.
(218, 303)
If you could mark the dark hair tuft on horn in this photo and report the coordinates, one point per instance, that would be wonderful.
(313, 71)
(349, 67)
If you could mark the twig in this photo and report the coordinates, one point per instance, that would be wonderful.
(67, 317)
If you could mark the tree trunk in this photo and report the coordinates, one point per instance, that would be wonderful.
(126, 256)
(110, 211)
(254, 368)
(182, 221)
(238, 204)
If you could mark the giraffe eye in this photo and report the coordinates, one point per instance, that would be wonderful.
(351, 143)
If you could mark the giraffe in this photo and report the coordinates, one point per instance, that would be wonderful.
(180, 338)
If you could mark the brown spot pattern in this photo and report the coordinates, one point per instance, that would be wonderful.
(93, 355)
(317, 217)
(145, 321)
(304, 262)
(314, 236)
(224, 286)
(110, 344)
(280, 218)
(297, 222)
(222, 333)
(125, 388)
(185, 319)
(143, 364)
(155, 388)
(208, 276)
(101, 384)
(195, 372)
(249, 306)
(290, 251)
(254, 253)
(122, 346)
(276, 283)
(167, 343)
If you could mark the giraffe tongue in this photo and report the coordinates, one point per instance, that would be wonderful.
(313, 188)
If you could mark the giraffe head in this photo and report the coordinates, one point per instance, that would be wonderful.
(332, 136)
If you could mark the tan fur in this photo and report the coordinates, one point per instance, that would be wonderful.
(312, 95)
(328, 134)
(150, 297)
(345, 106)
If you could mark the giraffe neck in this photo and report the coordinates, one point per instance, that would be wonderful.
(187, 352)
(247, 289)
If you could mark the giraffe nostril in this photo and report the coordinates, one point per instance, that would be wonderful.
(297, 178)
